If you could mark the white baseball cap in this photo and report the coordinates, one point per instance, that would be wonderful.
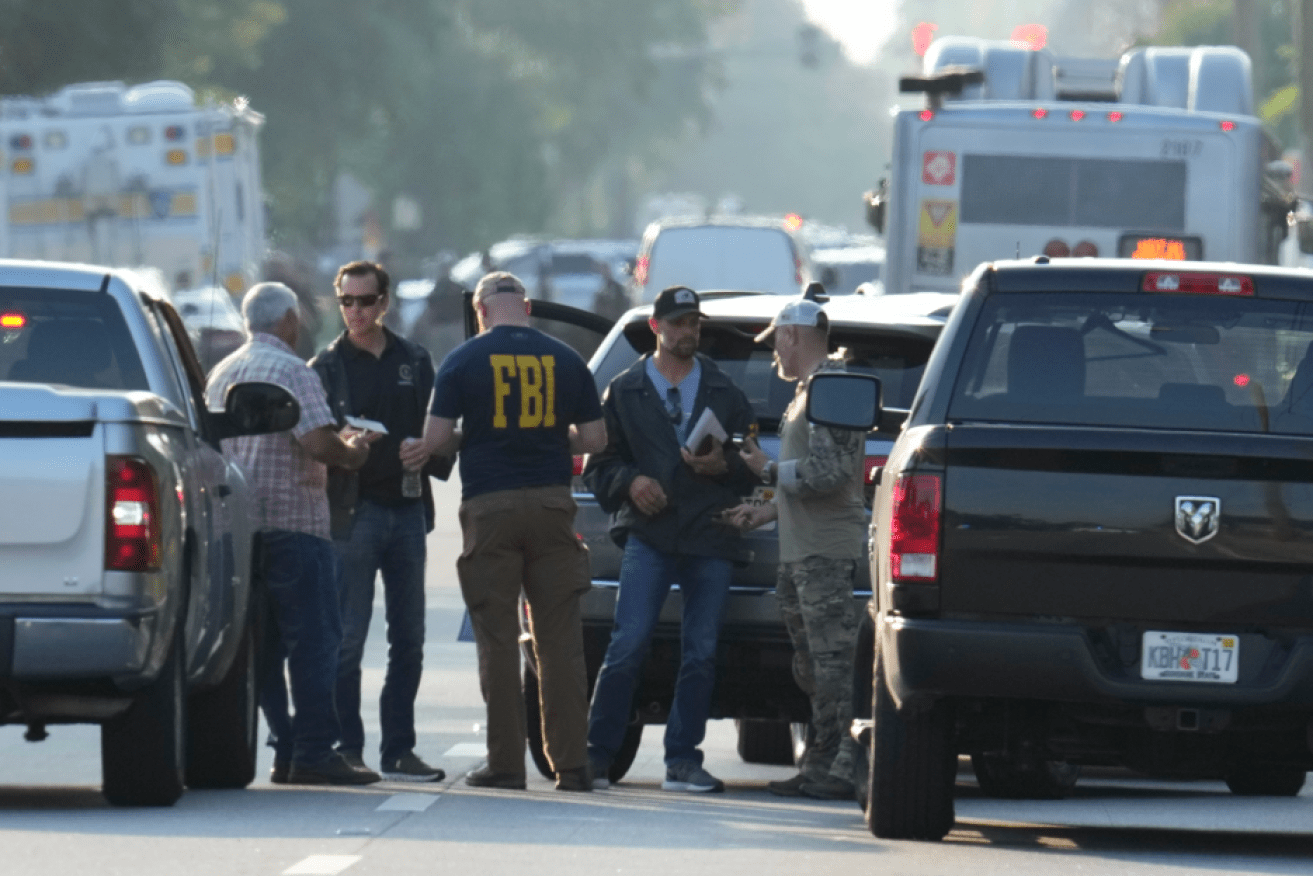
(800, 311)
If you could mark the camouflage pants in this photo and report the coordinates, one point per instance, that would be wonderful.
(816, 600)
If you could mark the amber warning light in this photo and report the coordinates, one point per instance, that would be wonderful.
(12, 320)
(1159, 248)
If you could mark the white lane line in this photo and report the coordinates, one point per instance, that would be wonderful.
(321, 865)
(467, 749)
(407, 803)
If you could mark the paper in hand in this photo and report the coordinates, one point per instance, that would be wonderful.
(704, 430)
(366, 425)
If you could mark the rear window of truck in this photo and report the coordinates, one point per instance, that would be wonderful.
(1205, 362)
(67, 337)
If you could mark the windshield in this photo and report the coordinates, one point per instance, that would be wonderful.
(722, 257)
(1160, 361)
(72, 338)
(898, 362)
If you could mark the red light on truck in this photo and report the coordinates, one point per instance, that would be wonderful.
(132, 515)
(1040, 113)
(640, 270)
(1241, 380)
(12, 320)
(578, 467)
(1077, 115)
(926, 115)
(1159, 248)
(1198, 284)
(872, 468)
(914, 528)
(1116, 116)
(1227, 125)
(1057, 249)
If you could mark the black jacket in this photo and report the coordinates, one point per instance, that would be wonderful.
(640, 440)
(343, 485)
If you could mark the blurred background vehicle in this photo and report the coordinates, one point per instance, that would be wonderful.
(749, 254)
(842, 269)
(212, 320)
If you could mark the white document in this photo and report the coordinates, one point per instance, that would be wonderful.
(366, 425)
(707, 426)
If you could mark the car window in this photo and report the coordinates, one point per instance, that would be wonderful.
(67, 337)
(723, 257)
(898, 361)
(1161, 361)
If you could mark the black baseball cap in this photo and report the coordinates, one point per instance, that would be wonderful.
(675, 301)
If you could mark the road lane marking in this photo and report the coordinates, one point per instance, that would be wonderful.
(321, 865)
(407, 803)
(467, 749)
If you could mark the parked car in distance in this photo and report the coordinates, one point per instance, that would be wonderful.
(1090, 541)
(842, 269)
(732, 253)
(888, 338)
(212, 320)
(128, 598)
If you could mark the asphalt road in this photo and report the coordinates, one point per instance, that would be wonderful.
(54, 821)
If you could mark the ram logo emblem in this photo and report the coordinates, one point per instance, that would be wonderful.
(1197, 517)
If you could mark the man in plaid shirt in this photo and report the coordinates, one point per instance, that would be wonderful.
(288, 477)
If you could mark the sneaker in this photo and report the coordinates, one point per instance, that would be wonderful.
(484, 777)
(577, 779)
(409, 768)
(278, 775)
(830, 788)
(334, 771)
(600, 767)
(689, 776)
(789, 787)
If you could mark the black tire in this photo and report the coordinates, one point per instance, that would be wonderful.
(913, 765)
(1266, 781)
(222, 728)
(142, 751)
(1010, 779)
(765, 741)
(533, 734)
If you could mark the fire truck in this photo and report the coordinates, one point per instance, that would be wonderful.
(139, 176)
(1018, 152)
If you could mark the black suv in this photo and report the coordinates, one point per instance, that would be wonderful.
(890, 338)
(1091, 539)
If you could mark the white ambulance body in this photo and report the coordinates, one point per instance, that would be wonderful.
(135, 176)
(1156, 154)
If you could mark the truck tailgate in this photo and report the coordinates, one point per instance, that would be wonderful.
(1116, 524)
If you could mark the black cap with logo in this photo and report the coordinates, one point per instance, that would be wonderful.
(675, 301)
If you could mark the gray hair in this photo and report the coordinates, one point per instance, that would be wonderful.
(266, 304)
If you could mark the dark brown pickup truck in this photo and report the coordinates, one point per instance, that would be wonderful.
(1091, 542)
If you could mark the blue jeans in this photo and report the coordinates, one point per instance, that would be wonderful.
(645, 578)
(300, 575)
(390, 539)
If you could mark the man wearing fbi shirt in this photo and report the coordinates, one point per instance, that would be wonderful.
(527, 403)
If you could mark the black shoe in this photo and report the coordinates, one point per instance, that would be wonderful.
(410, 768)
(789, 787)
(278, 775)
(334, 771)
(577, 779)
(484, 777)
(829, 789)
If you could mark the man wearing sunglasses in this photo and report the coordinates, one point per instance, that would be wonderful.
(663, 500)
(380, 515)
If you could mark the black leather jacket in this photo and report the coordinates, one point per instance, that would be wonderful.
(640, 440)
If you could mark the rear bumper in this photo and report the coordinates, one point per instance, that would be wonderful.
(931, 659)
(50, 648)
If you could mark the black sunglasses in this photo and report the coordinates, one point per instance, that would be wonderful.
(362, 300)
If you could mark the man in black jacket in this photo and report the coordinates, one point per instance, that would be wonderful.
(380, 516)
(665, 501)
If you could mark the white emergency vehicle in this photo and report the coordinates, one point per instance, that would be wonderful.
(1019, 153)
(135, 176)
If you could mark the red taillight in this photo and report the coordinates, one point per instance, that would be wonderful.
(578, 468)
(1040, 113)
(872, 467)
(1077, 115)
(1199, 284)
(914, 528)
(1116, 116)
(640, 270)
(926, 115)
(1227, 126)
(132, 515)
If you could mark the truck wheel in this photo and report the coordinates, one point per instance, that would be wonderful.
(142, 750)
(913, 764)
(222, 732)
(533, 733)
(1012, 778)
(765, 741)
(1265, 781)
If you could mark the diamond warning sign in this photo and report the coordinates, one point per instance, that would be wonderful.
(939, 168)
(938, 224)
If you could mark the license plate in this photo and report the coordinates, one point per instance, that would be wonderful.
(762, 496)
(1190, 657)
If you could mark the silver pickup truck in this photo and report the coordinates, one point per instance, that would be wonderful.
(127, 597)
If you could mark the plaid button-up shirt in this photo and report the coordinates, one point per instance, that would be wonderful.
(287, 485)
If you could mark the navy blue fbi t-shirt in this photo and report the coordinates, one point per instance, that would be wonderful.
(516, 391)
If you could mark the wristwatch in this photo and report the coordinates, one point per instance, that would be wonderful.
(769, 471)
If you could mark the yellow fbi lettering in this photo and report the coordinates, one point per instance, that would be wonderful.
(535, 377)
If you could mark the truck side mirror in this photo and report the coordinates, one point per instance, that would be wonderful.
(844, 400)
(255, 409)
(875, 201)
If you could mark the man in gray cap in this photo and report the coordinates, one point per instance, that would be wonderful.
(822, 531)
(664, 500)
